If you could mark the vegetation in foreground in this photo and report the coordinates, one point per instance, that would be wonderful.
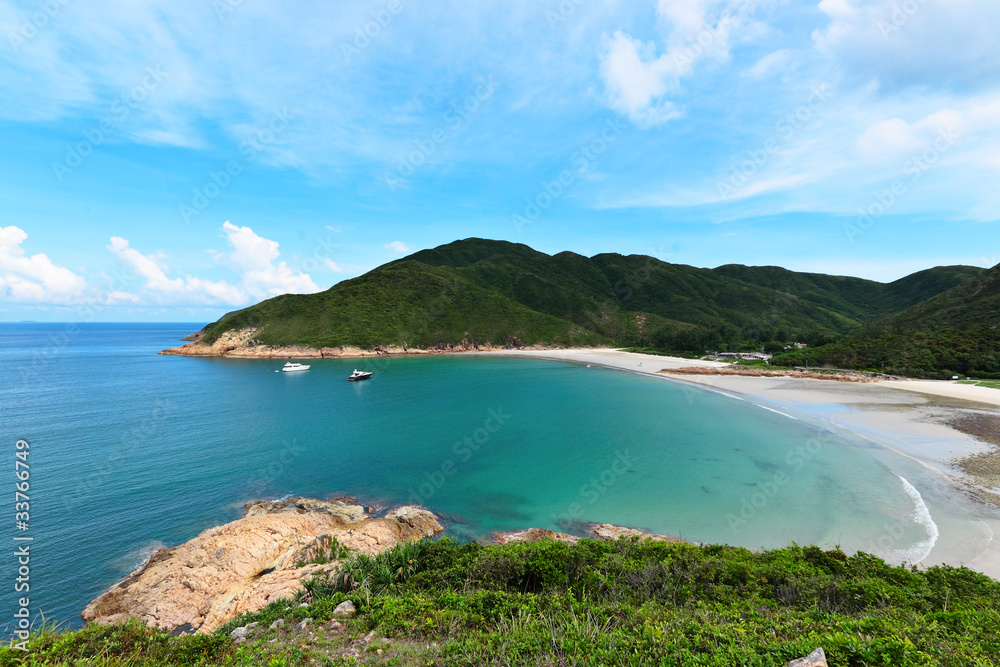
(628, 602)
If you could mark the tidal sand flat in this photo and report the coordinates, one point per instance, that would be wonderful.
(924, 433)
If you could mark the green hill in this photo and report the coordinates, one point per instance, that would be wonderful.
(484, 291)
(862, 299)
(406, 303)
(955, 332)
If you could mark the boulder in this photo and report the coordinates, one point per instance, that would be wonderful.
(608, 531)
(532, 535)
(815, 659)
(344, 610)
(247, 564)
(599, 531)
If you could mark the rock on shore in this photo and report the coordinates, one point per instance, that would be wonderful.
(243, 344)
(244, 565)
(598, 531)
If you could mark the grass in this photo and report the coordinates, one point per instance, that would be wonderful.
(628, 602)
(992, 384)
(327, 550)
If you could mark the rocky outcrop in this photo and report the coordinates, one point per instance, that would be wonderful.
(243, 344)
(815, 659)
(532, 535)
(244, 565)
(598, 531)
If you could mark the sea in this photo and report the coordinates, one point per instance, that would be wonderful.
(128, 451)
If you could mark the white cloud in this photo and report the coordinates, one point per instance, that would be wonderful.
(117, 298)
(254, 257)
(398, 246)
(160, 289)
(771, 63)
(894, 137)
(332, 265)
(915, 44)
(888, 138)
(35, 278)
(637, 81)
(635, 86)
(251, 257)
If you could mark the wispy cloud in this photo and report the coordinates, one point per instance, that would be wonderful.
(398, 246)
(721, 91)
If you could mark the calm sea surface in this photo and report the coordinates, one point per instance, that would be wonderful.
(130, 451)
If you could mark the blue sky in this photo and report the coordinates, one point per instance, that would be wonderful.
(173, 161)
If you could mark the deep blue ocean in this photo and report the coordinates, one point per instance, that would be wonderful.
(130, 450)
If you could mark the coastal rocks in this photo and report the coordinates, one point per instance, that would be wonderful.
(232, 343)
(607, 531)
(344, 509)
(244, 565)
(244, 344)
(344, 609)
(532, 535)
(599, 531)
(815, 659)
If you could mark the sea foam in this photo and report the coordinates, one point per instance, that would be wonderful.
(922, 516)
(783, 414)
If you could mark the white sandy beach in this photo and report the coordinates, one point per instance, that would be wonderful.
(903, 417)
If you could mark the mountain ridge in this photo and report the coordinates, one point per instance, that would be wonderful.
(488, 293)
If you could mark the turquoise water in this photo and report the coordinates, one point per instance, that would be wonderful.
(130, 450)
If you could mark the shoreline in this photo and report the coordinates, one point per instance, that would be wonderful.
(242, 344)
(912, 423)
(911, 420)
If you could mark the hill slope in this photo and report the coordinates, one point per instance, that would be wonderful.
(408, 304)
(956, 332)
(481, 291)
(863, 299)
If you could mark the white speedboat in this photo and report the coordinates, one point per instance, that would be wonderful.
(359, 375)
(293, 366)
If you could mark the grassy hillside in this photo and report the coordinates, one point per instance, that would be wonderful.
(408, 304)
(606, 292)
(956, 332)
(593, 603)
(484, 291)
(861, 299)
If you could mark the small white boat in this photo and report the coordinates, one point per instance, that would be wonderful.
(359, 375)
(293, 366)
